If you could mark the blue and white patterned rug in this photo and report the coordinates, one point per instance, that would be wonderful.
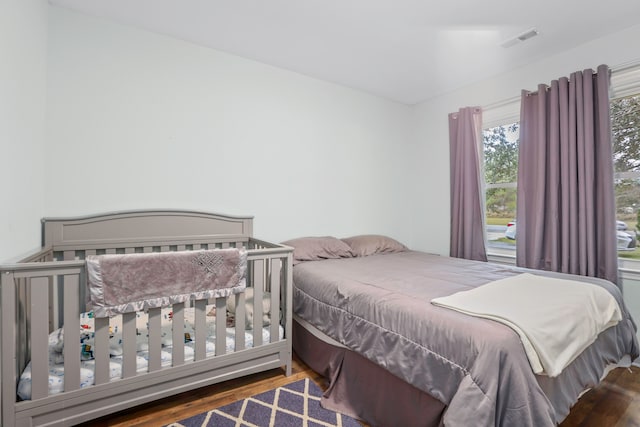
(293, 405)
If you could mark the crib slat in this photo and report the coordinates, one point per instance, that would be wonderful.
(56, 317)
(155, 338)
(221, 326)
(22, 346)
(101, 350)
(276, 268)
(177, 330)
(8, 373)
(110, 251)
(129, 250)
(240, 321)
(71, 287)
(129, 346)
(258, 296)
(200, 312)
(39, 332)
(258, 286)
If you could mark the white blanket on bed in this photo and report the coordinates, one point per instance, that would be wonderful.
(556, 319)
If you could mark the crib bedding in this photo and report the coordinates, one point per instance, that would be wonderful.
(121, 283)
(86, 345)
(379, 306)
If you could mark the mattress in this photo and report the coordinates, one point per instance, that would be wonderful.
(380, 307)
(87, 368)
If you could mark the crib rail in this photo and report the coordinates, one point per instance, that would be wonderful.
(48, 292)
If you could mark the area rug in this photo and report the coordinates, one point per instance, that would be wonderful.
(293, 405)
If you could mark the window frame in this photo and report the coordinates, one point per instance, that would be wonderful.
(501, 113)
(625, 81)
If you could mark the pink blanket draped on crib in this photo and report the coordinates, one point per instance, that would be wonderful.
(133, 282)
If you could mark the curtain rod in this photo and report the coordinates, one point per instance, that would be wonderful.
(501, 103)
(625, 66)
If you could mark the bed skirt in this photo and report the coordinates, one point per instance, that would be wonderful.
(361, 389)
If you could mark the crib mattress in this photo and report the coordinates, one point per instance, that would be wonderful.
(87, 364)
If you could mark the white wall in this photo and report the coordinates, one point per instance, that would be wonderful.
(139, 120)
(432, 133)
(23, 44)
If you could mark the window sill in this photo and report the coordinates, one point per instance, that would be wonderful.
(502, 256)
(629, 268)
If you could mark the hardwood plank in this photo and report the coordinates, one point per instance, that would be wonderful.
(631, 417)
(628, 382)
(615, 402)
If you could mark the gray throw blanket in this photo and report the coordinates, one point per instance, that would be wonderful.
(133, 282)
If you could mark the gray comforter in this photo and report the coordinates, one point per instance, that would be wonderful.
(379, 307)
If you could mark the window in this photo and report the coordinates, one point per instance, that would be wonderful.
(625, 129)
(500, 145)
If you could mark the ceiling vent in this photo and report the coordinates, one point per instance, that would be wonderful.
(520, 38)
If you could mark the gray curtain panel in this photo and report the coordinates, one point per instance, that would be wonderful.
(467, 206)
(566, 203)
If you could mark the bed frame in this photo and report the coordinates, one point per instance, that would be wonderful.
(47, 290)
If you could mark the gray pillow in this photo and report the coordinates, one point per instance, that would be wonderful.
(371, 244)
(318, 248)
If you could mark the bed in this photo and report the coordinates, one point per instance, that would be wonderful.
(68, 357)
(365, 318)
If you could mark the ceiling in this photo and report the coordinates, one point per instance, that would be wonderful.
(404, 50)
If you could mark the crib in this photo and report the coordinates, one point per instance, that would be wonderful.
(47, 291)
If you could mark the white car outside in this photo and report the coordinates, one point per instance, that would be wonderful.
(626, 240)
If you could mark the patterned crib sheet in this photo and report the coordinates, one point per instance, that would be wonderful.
(87, 364)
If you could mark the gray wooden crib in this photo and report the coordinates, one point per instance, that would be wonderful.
(47, 290)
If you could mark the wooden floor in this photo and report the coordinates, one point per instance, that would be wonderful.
(614, 403)
(191, 403)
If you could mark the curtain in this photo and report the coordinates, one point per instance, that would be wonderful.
(566, 204)
(467, 207)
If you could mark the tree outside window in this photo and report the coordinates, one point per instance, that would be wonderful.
(625, 129)
(500, 173)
